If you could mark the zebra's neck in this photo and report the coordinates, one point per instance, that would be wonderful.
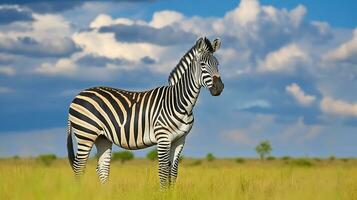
(184, 84)
(183, 66)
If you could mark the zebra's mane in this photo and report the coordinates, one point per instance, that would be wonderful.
(181, 67)
(185, 61)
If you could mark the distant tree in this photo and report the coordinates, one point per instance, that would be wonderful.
(123, 156)
(47, 159)
(263, 149)
(210, 157)
(152, 155)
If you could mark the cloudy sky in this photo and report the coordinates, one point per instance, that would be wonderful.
(289, 68)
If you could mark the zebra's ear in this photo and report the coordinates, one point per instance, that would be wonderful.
(200, 44)
(216, 44)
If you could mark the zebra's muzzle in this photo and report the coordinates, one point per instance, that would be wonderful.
(217, 86)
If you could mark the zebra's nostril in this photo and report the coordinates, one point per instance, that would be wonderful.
(219, 86)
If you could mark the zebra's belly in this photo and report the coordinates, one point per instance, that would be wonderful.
(134, 140)
(137, 147)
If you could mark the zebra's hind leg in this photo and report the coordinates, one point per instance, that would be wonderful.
(85, 143)
(104, 152)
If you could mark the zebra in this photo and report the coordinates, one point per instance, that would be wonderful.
(162, 116)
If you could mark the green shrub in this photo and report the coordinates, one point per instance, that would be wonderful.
(47, 159)
(210, 157)
(123, 156)
(302, 162)
(270, 158)
(317, 159)
(345, 159)
(152, 155)
(240, 160)
(196, 162)
(286, 158)
(332, 158)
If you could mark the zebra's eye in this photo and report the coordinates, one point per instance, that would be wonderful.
(203, 64)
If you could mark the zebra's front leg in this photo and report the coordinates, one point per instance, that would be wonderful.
(176, 148)
(104, 152)
(163, 150)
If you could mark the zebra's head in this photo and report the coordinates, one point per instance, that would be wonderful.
(208, 75)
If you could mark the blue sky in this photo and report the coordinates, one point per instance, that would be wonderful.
(289, 68)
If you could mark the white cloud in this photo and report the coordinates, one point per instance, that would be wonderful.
(233, 62)
(259, 103)
(47, 35)
(243, 31)
(246, 12)
(248, 135)
(300, 96)
(164, 18)
(345, 52)
(9, 71)
(105, 44)
(240, 136)
(6, 58)
(297, 15)
(255, 37)
(323, 27)
(338, 107)
(70, 68)
(4, 90)
(300, 132)
(250, 22)
(284, 59)
(64, 66)
(106, 20)
(49, 27)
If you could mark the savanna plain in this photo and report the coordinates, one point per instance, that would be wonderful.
(281, 178)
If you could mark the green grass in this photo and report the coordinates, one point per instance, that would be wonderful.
(219, 179)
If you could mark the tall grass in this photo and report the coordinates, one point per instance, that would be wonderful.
(219, 179)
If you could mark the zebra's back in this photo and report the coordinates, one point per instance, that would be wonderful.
(126, 118)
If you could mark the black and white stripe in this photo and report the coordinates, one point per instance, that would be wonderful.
(135, 120)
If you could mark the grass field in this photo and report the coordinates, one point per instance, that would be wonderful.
(220, 179)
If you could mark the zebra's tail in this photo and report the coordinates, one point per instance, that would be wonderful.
(70, 145)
